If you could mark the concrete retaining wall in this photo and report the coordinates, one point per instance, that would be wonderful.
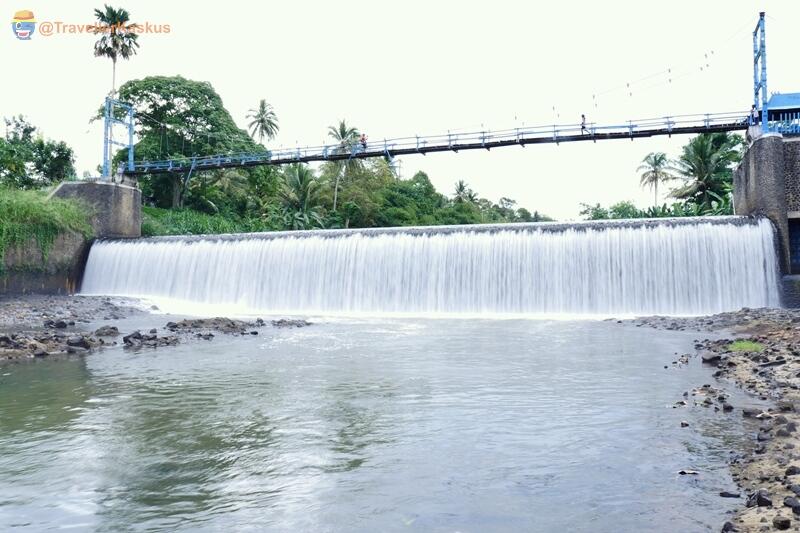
(26, 270)
(760, 188)
(116, 212)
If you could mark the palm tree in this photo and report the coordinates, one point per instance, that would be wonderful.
(656, 170)
(117, 38)
(301, 193)
(464, 194)
(706, 166)
(346, 137)
(264, 123)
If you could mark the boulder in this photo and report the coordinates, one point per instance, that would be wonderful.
(107, 331)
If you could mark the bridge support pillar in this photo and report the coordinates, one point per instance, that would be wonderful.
(116, 208)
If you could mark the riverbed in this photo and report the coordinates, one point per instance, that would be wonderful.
(371, 425)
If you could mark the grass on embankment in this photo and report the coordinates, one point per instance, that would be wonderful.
(26, 215)
(745, 346)
(156, 221)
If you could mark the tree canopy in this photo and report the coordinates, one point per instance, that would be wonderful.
(28, 160)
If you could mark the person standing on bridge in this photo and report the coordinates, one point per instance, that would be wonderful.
(583, 123)
(753, 115)
(364, 141)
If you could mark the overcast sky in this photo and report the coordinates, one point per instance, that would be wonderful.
(425, 67)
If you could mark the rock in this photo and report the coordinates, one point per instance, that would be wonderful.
(684, 424)
(153, 331)
(759, 498)
(78, 350)
(133, 339)
(727, 407)
(688, 472)
(726, 494)
(750, 412)
(795, 488)
(782, 433)
(728, 527)
(40, 352)
(709, 358)
(107, 331)
(782, 522)
(77, 341)
(791, 427)
(793, 470)
(290, 323)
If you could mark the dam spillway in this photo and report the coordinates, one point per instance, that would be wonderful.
(688, 266)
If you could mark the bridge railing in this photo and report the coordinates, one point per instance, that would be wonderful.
(786, 123)
(458, 140)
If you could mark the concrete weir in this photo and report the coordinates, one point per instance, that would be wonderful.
(665, 266)
(115, 213)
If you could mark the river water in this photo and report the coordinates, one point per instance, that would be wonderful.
(369, 425)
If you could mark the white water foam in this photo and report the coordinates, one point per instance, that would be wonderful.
(653, 268)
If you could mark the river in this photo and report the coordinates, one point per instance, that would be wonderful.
(383, 424)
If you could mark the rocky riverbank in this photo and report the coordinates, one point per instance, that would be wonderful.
(44, 326)
(761, 354)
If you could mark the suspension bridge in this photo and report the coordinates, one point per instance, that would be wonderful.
(784, 120)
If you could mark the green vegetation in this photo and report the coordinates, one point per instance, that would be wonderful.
(705, 169)
(28, 160)
(26, 215)
(157, 221)
(745, 346)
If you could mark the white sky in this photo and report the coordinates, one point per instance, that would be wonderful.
(423, 67)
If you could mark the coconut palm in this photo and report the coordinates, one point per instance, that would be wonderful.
(264, 121)
(464, 194)
(301, 192)
(346, 138)
(656, 170)
(706, 165)
(118, 39)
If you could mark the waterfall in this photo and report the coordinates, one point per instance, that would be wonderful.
(670, 266)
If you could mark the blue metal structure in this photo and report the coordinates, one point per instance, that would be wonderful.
(760, 72)
(110, 119)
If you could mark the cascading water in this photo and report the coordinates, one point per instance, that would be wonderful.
(689, 266)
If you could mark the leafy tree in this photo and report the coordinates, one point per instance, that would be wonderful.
(706, 165)
(118, 38)
(264, 121)
(346, 138)
(178, 119)
(656, 170)
(28, 160)
(594, 212)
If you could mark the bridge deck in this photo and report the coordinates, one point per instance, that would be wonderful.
(455, 142)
